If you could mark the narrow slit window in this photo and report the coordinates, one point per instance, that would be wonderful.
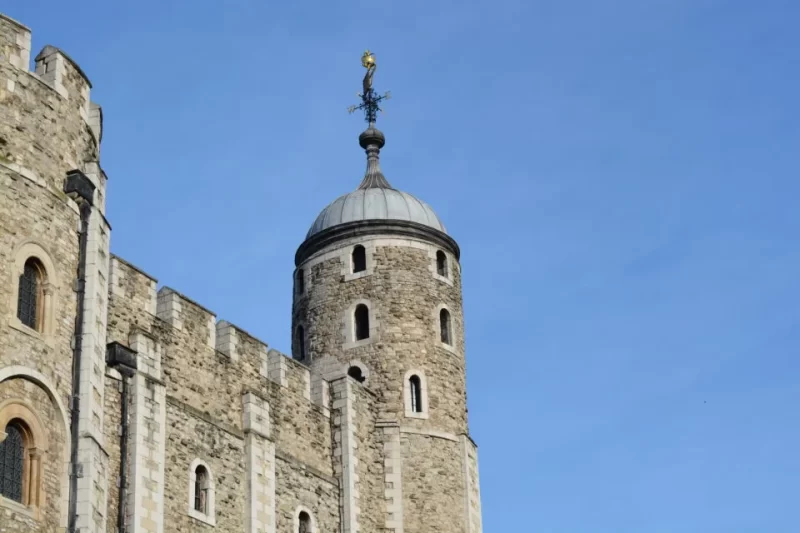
(304, 523)
(361, 322)
(300, 282)
(12, 463)
(359, 259)
(300, 340)
(415, 384)
(444, 324)
(441, 263)
(201, 489)
(30, 298)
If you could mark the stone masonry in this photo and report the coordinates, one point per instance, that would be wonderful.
(204, 427)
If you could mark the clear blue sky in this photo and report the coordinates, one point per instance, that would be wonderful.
(622, 178)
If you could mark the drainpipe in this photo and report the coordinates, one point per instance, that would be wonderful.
(78, 187)
(123, 359)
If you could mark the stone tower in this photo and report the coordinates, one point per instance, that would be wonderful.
(377, 297)
(53, 294)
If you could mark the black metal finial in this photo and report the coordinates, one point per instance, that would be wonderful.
(370, 100)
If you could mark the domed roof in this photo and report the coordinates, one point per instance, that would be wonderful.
(375, 199)
(376, 203)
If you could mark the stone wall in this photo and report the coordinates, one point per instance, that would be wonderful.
(301, 488)
(404, 295)
(370, 466)
(193, 436)
(113, 423)
(207, 368)
(434, 488)
(15, 518)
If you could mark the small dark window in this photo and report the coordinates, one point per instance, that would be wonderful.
(362, 322)
(304, 523)
(29, 299)
(300, 343)
(444, 324)
(12, 463)
(300, 282)
(201, 489)
(359, 259)
(415, 384)
(356, 373)
(441, 263)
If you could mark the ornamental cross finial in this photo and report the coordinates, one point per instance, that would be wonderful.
(369, 98)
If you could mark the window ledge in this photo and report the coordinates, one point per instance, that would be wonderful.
(16, 324)
(17, 507)
(197, 515)
(421, 416)
(357, 275)
(450, 348)
(443, 279)
(362, 342)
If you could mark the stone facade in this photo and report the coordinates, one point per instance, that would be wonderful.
(254, 441)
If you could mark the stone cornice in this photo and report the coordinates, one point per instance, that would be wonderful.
(400, 228)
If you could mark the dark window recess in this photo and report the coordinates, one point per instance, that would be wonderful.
(356, 373)
(300, 340)
(304, 523)
(29, 298)
(201, 489)
(416, 394)
(441, 263)
(12, 463)
(300, 282)
(444, 324)
(362, 322)
(359, 259)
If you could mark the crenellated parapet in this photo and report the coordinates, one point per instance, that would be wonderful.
(206, 362)
(202, 382)
(48, 124)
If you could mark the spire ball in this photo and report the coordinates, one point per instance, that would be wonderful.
(368, 59)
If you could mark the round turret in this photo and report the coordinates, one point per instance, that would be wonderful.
(378, 298)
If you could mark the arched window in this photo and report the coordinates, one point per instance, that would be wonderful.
(444, 325)
(361, 316)
(30, 298)
(300, 343)
(415, 389)
(304, 523)
(13, 463)
(441, 263)
(300, 282)
(201, 493)
(356, 373)
(201, 489)
(359, 259)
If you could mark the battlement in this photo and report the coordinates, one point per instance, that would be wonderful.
(133, 284)
(52, 65)
(230, 348)
(48, 124)
(64, 75)
(15, 43)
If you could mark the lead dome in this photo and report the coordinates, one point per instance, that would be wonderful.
(375, 198)
(376, 203)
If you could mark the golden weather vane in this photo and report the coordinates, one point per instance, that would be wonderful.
(369, 98)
